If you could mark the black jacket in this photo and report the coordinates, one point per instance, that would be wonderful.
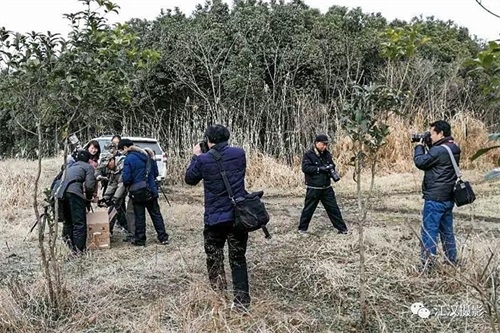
(440, 176)
(311, 162)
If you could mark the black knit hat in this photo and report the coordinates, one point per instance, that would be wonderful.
(321, 138)
(83, 156)
(124, 143)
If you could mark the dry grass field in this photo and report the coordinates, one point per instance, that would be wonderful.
(298, 284)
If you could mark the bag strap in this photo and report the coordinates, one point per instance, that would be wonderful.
(148, 168)
(218, 158)
(455, 165)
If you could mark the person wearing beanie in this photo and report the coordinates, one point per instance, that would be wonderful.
(76, 191)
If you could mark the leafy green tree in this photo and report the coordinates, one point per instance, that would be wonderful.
(365, 111)
(71, 83)
(488, 63)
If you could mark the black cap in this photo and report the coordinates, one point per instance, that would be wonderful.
(321, 138)
(124, 143)
(83, 156)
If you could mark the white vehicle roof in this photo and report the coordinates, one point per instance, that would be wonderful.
(132, 138)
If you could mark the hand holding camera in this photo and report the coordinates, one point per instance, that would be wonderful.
(197, 150)
(325, 168)
(423, 139)
(330, 169)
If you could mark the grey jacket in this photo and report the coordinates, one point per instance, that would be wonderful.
(82, 178)
(440, 177)
(115, 189)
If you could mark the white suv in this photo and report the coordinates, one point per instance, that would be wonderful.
(160, 156)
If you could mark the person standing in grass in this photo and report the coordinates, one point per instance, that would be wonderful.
(135, 169)
(437, 188)
(77, 187)
(219, 217)
(317, 165)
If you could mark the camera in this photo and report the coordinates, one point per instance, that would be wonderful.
(334, 175)
(75, 142)
(204, 146)
(73, 139)
(426, 137)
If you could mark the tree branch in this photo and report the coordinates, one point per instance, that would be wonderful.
(486, 9)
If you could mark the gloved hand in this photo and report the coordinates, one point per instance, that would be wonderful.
(101, 178)
(325, 168)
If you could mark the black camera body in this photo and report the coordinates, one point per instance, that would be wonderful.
(76, 145)
(426, 137)
(334, 175)
(204, 146)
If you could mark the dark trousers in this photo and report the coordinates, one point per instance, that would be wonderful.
(120, 216)
(215, 237)
(327, 198)
(75, 222)
(140, 221)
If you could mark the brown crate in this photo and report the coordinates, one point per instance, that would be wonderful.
(98, 230)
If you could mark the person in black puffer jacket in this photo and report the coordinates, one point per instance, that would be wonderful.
(317, 164)
(437, 188)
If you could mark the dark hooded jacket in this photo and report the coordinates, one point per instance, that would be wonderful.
(134, 169)
(218, 206)
(440, 176)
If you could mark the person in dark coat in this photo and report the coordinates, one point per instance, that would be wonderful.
(317, 164)
(134, 171)
(219, 217)
(437, 188)
(77, 187)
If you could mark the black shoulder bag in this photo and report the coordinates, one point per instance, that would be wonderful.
(251, 214)
(140, 192)
(463, 193)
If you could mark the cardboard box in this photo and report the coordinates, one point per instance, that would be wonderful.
(98, 230)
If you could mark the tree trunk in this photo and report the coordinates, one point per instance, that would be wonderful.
(41, 224)
(361, 244)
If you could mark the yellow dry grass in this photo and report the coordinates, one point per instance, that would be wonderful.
(298, 284)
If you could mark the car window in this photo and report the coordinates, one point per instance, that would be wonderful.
(151, 145)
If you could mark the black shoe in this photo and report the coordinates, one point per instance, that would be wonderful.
(241, 308)
(343, 232)
(164, 242)
(135, 243)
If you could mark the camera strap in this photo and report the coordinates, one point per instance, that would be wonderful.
(455, 165)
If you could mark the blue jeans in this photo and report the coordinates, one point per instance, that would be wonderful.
(438, 219)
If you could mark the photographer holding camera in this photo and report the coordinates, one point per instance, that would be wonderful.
(219, 216)
(318, 168)
(437, 187)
